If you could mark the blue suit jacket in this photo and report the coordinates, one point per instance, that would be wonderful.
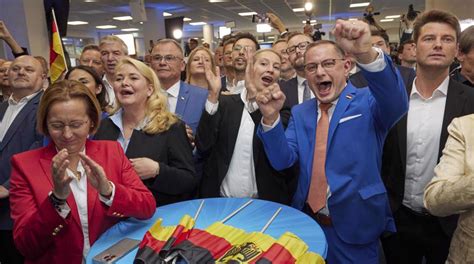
(21, 136)
(358, 203)
(191, 101)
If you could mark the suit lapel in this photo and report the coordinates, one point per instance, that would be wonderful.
(183, 97)
(30, 106)
(345, 98)
(3, 109)
(235, 118)
(455, 101)
(401, 128)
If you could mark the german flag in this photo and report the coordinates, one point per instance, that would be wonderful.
(288, 249)
(159, 239)
(57, 59)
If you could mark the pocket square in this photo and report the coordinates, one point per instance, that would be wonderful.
(347, 118)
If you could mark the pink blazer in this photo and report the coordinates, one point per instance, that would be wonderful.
(40, 233)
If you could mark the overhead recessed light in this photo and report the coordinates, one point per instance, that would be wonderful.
(247, 13)
(197, 23)
(311, 21)
(186, 19)
(122, 18)
(90, 1)
(394, 16)
(386, 20)
(298, 9)
(308, 6)
(359, 5)
(76, 23)
(166, 14)
(177, 33)
(106, 27)
(264, 28)
(218, 1)
(130, 29)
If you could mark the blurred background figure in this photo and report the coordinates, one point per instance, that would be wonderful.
(287, 71)
(65, 195)
(465, 72)
(153, 138)
(91, 57)
(407, 54)
(195, 70)
(4, 82)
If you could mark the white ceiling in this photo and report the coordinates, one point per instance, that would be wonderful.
(101, 12)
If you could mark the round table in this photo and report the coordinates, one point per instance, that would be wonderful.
(251, 218)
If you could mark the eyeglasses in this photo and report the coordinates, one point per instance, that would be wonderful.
(167, 58)
(326, 64)
(301, 46)
(239, 48)
(74, 125)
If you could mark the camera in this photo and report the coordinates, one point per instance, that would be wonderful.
(412, 14)
(260, 18)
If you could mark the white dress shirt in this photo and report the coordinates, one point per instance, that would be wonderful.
(117, 119)
(300, 80)
(12, 112)
(424, 124)
(110, 91)
(173, 93)
(240, 180)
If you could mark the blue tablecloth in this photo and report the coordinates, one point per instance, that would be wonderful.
(252, 218)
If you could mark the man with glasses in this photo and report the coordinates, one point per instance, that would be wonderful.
(245, 45)
(297, 89)
(185, 100)
(287, 71)
(112, 49)
(337, 140)
(17, 134)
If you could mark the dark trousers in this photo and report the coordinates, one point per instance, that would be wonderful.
(418, 236)
(8, 252)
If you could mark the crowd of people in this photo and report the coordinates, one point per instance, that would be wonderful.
(373, 146)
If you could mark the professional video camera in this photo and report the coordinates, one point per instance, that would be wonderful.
(412, 14)
(316, 34)
(369, 16)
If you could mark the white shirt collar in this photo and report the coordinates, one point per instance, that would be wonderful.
(174, 89)
(26, 99)
(300, 80)
(442, 88)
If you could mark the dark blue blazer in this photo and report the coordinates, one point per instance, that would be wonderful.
(191, 102)
(21, 136)
(358, 203)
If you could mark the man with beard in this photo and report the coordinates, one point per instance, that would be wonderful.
(287, 71)
(243, 42)
(296, 89)
(413, 147)
(112, 49)
(17, 134)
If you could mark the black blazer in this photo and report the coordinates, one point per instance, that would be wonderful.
(408, 75)
(217, 135)
(171, 149)
(459, 102)
(290, 89)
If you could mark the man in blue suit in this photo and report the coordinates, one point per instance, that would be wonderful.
(185, 100)
(340, 185)
(17, 134)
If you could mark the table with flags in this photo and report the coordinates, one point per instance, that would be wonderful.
(220, 230)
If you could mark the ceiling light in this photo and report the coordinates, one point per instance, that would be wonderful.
(264, 28)
(90, 1)
(359, 5)
(166, 14)
(197, 23)
(386, 20)
(177, 33)
(76, 23)
(311, 21)
(122, 18)
(308, 6)
(106, 27)
(298, 9)
(186, 19)
(130, 29)
(394, 16)
(218, 1)
(247, 14)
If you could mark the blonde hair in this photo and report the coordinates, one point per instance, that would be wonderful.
(191, 57)
(262, 51)
(160, 118)
(114, 39)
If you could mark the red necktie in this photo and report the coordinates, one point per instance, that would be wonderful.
(318, 187)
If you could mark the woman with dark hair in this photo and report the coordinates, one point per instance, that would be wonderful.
(65, 195)
(91, 79)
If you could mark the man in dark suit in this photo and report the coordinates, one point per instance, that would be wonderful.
(465, 72)
(380, 40)
(17, 134)
(4, 82)
(296, 89)
(413, 147)
(185, 100)
(237, 165)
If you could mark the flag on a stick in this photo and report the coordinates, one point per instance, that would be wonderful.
(57, 60)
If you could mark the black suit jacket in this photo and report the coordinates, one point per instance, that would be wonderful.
(171, 149)
(459, 102)
(290, 89)
(217, 135)
(408, 75)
